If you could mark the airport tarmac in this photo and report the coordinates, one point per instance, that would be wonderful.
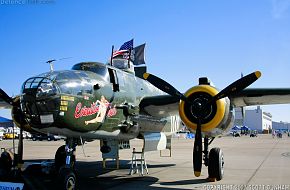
(250, 163)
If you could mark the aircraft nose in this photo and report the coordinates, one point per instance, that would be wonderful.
(40, 101)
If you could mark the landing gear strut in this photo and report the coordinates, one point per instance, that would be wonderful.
(64, 164)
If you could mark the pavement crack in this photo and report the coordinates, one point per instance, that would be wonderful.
(269, 153)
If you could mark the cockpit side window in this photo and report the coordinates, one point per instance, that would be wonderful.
(67, 76)
(78, 88)
(74, 83)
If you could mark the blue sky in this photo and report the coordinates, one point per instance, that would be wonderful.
(185, 39)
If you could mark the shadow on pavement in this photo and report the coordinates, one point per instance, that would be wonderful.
(91, 175)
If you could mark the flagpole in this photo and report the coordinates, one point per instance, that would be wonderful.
(111, 61)
(129, 58)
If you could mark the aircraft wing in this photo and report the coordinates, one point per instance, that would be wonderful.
(261, 96)
(159, 106)
(4, 105)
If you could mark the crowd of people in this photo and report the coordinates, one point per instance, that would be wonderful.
(279, 134)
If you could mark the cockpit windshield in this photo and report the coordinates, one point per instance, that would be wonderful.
(64, 82)
(42, 87)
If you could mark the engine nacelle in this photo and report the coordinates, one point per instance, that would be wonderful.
(217, 116)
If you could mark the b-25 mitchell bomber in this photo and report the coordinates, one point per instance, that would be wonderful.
(117, 102)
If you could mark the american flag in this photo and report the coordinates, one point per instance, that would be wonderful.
(119, 52)
(125, 48)
(127, 45)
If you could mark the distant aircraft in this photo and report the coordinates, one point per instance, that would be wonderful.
(118, 101)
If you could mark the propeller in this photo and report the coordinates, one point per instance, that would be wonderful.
(238, 85)
(5, 97)
(197, 150)
(16, 106)
(164, 86)
(233, 88)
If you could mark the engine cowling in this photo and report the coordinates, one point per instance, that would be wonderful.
(215, 117)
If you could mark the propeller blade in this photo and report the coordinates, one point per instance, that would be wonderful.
(238, 85)
(197, 151)
(20, 148)
(163, 85)
(5, 97)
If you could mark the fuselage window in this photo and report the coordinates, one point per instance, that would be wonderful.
(120, 63)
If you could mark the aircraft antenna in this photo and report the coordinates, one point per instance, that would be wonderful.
(111, 61)
(50, 64)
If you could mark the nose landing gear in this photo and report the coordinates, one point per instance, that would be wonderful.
(216, 164)
(64, 165)
(214, 160)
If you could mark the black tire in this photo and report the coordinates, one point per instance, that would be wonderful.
(34, 139)
(48, 138)
(60, 158)
(5, 165)
(67, 179)
(216, 164)
(237, 135)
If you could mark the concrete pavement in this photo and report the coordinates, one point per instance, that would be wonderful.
(250, 163)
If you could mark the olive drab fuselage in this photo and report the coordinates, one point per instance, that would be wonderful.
(89, 98)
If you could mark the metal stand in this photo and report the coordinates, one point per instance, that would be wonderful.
(138, 163)
(113, 154)
(168, 147)
(117, 163)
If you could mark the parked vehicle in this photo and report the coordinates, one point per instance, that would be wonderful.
(1, 135)
(279, 134)
(48, 137)
(10, 136)
(236, 134)
(254, 133)
(26, 135)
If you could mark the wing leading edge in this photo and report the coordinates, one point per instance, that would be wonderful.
(4, 105)
(167, 105)
(261, 96)
(159, 106)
